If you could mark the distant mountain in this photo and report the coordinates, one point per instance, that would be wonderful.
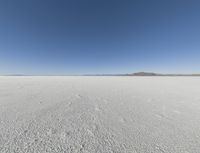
(142, 74)
(145, 74)
(158, 74)
(195, 74)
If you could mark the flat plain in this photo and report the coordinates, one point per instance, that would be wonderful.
(99, 114)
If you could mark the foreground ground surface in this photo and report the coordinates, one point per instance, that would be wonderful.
(100, 114)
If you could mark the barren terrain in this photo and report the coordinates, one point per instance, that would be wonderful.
(99, 114)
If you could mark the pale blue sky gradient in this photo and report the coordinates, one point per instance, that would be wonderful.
(48, 37)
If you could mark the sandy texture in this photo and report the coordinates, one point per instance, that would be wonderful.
(100, 114)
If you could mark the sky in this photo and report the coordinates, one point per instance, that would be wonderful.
(66, 37)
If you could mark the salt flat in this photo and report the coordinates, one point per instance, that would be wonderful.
(99, 114)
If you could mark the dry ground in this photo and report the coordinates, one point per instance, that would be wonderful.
(99, 114)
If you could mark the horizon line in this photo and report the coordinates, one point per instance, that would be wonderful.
(141, 73)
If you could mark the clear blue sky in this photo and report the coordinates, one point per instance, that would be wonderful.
(44, 37)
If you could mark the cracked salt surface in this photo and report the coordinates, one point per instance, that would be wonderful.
(99, 114)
